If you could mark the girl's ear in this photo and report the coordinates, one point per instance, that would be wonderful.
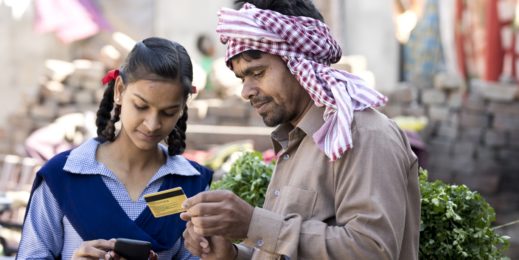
(118, 90)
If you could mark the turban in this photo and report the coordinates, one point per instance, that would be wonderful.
(308, 48)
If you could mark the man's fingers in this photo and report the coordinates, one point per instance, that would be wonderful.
(204, 222)
(207, 232)
(207, 196)
(204, 243)
(192, 246)
(203, 209)
(193, 241)
(185, 216)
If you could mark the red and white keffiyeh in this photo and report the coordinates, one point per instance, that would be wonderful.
(308, 48)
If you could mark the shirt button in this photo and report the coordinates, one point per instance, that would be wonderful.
(259, 243)
(286, 156)
(276, 193)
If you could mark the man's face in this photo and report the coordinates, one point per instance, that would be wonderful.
(271, 89)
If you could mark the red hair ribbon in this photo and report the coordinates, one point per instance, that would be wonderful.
(193, 89)
(110, 75)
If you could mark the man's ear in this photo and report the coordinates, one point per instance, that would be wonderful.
(118, 90)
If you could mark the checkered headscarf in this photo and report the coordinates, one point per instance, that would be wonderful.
(308, 48)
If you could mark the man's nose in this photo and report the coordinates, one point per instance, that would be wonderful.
(249, 89)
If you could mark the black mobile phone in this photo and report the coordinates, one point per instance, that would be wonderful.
(132, 249)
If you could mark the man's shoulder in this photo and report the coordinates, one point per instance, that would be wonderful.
(373, 129)
(371, 119)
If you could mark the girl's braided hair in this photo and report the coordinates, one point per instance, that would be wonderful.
(160, 57)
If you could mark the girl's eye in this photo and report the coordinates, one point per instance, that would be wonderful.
(169, 114)
(139, 107)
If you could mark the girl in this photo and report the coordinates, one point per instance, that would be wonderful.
(84, 198)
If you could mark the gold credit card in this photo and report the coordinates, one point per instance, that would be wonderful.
(166, 202)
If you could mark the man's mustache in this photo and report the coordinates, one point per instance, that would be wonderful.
(260, 100)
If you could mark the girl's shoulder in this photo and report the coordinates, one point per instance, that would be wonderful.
(56, 163)
(205, 172)
(200, 168)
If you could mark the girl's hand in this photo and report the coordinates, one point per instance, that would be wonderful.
(95, 249)
(153, 256)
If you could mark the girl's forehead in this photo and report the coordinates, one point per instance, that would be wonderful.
(157, 89)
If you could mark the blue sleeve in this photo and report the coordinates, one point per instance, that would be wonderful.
(42, 234)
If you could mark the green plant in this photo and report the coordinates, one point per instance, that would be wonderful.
(248, 178)
(455, 223)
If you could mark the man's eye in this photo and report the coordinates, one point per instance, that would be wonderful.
(257, 74)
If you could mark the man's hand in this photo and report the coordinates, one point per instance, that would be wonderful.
(212, 248)
(218, 213)
(95, 249)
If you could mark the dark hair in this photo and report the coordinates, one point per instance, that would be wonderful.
(156, 57)
(287, 7)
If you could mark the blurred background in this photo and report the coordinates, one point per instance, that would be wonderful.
(449, 68)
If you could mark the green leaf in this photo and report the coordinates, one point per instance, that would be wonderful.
(456, 223)
(248, 178)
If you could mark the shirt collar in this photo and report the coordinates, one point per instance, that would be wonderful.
(82, 160)
(311, 122)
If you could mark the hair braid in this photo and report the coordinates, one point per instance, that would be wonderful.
(109, 131)
(104, 113)
(105, 122)
(176, 139)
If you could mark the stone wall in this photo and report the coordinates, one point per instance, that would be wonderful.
(66, 87)
(472, 138)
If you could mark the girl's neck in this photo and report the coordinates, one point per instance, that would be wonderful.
(130, 158)
(133, 167)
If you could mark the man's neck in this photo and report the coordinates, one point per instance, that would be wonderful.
(296, 121)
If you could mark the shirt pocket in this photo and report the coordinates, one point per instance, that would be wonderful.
(297, 200)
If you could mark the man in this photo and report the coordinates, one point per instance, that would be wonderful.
(346, 181)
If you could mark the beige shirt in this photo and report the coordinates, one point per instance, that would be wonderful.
(365, 205)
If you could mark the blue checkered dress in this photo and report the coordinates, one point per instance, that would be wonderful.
(47, 233)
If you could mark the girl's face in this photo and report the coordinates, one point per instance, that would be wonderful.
(150, 110)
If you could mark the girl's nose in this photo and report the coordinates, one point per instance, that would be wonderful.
(152, 123)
